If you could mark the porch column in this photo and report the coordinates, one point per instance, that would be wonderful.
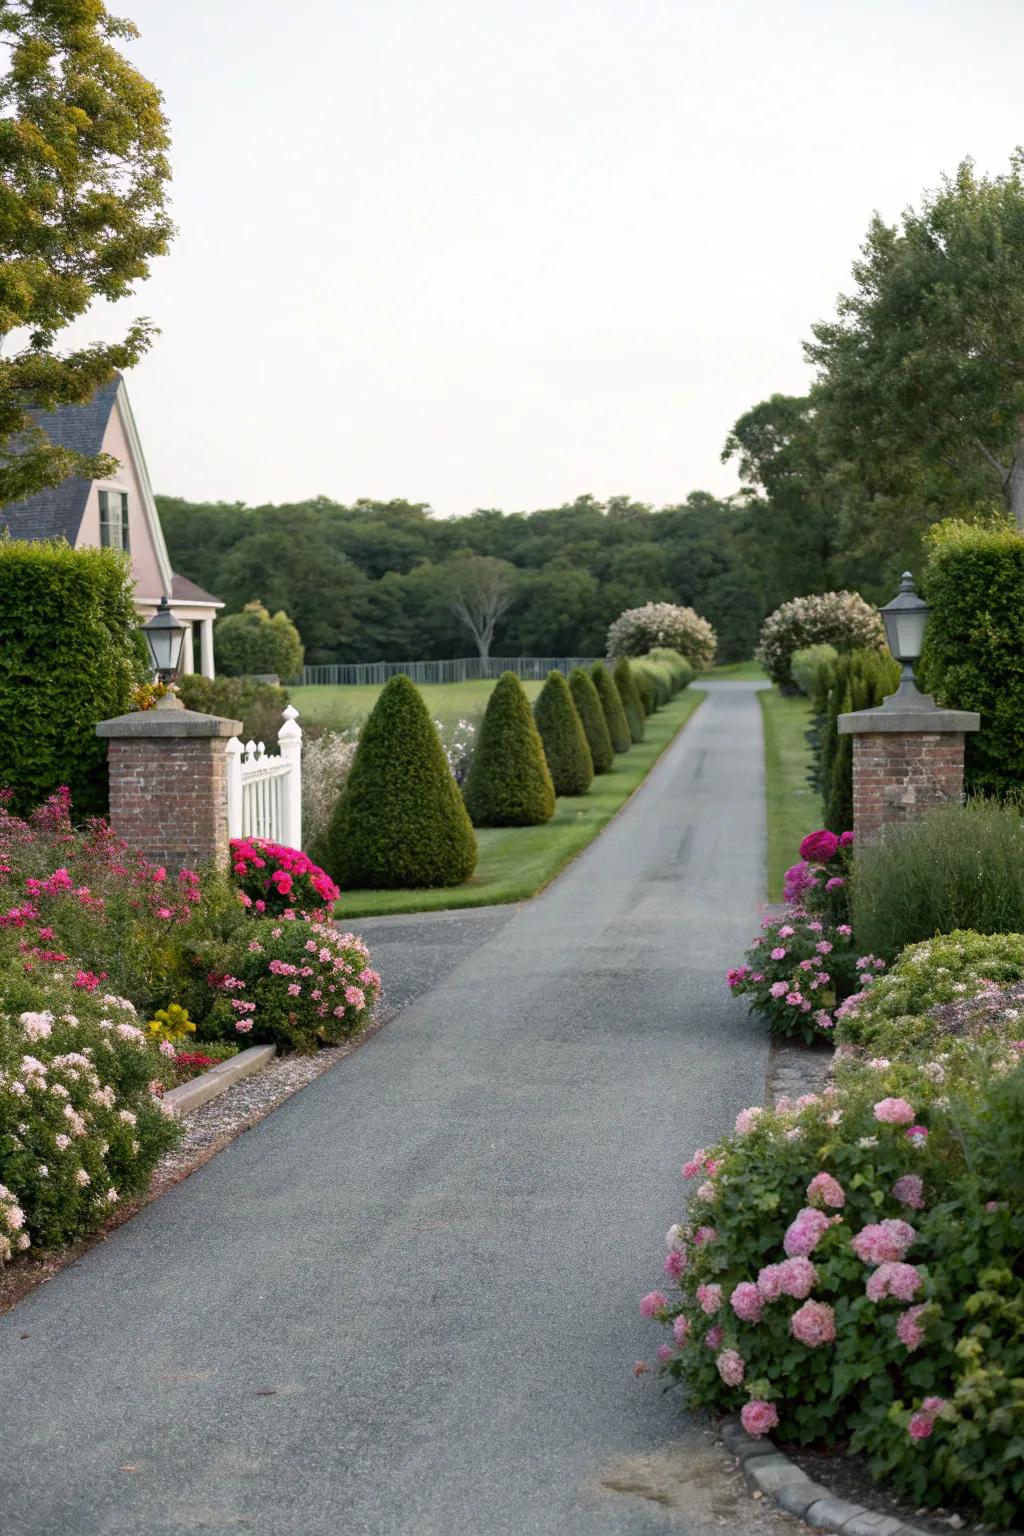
(206, 647)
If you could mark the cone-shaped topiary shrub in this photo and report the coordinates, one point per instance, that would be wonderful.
(644, 686)
(400, 821)
(658, 675)
(565, 741)
(508, 783)
(630, 698)
(595, 726)
(611, 703)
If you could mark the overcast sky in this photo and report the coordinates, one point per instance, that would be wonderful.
(505, 252)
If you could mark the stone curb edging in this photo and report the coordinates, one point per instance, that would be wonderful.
(200, 1090)
(771, 1473)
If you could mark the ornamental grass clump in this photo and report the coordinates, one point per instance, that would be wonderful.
(611, 704)
(954, 867)
(592, 717)
(849, 1270)
(82, 1122)
(291, 983)
(565, 741)
(667, 625)
(623, 675)
(509, 784)
(400, 821)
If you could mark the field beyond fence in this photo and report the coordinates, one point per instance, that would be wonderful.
(460, 669)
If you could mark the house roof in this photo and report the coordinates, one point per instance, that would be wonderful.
(190, 592)
(57, 512)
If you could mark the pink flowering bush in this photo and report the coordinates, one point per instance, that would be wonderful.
(82, 1122)
(867, 1284)
(797, 971)
(274, 879)
(294, 983)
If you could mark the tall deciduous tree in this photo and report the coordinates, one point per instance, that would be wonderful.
(83, 176)
(482, 590)
(921, 374)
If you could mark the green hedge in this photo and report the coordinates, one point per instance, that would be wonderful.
(853, 680)
(646, 691)
(400, 821)
(973, 655)
(630, 699)
(680, 670)
(259, 706)
(588, 705)
(508, 784)
(70, 656)
(565, 741)
(611, 703)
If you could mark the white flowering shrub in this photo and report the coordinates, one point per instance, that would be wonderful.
(841, 619)
(458, 738)
(639, 630)
(82, 1122)
(326, 761)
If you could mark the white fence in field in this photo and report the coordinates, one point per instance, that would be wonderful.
(264, 791)
(461, 669)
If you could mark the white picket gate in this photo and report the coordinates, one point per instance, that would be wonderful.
(264, 792)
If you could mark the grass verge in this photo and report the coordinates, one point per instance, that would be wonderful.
(517, 862)
(738, 671)
(339, 707)
(793, 807)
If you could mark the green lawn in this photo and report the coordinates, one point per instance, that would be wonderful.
(340, 707)
(794, 808)
(739, 671)
(517, 862)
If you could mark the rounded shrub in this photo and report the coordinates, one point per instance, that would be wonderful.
(809, 668)
(565, 741)
(646, 691)
(630, 698)
(681, 671)
(658, 675)
(840, 619)
(595, 726)
(636, 630)
(400, 821)
(611, 703)
(508, 784)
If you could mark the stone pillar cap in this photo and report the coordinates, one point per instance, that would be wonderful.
(905, 712)
(166, 725)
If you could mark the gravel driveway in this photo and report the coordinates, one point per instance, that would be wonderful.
(407, 1301)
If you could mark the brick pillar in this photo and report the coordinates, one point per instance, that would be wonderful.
(168, 783)
(908, 756)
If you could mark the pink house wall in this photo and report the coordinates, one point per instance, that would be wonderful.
(145, 563)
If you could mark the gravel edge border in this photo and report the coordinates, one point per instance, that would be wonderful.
(217, 1079)
(769, 1471)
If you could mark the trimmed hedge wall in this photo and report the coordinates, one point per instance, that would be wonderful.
(508, 784)
(400, 821)
(973, 655)
(630, 698)
(259, 706)
(611, 703)
(565, 741)
(595, 726)
(70, 656)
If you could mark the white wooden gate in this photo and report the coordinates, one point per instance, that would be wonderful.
(265, 792)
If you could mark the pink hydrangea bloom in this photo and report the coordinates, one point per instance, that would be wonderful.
(825, 1190)
(894, 1112)
(779, 988)
(696, 1163)
(704, 1235)
(709, 1298)
(805, 1232)
(797, 1277)
(908, 1326)
(681, 1329)
(653, 1303)
(920, 1426)
(769, 1282)
(778, 953)
(730, 1367)
(884, 1241)
(909, 1190)
(746, 1302)
(819, 847)
(713, 1337)
(748, 1118)
(758, 1417)
(675, 1264)
(901, 1281)
(664, 1353)
(814, 1323)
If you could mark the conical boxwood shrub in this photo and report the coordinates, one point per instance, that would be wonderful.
(595, 726)
(630, 698)
(565, 741)
(611, 703)
(645, 691)
(400, 820)
(508, 784)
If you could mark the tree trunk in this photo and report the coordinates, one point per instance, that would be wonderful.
(1013, 488)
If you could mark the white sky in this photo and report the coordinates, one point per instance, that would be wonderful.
(504, 252)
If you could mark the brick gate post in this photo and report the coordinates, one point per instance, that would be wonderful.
(908, 756)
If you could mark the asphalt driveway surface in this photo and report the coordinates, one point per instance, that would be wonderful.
(407, 1301)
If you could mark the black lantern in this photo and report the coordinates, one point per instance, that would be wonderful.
(905, 619)
(164, 633)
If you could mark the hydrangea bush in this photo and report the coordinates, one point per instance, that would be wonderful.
(292, 983)
(274, 879)
(850, 1269)
(664, 625)
(840, 619)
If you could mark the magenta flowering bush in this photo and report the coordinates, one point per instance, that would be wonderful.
(288, 982)
(274, 879)
(850, 1269)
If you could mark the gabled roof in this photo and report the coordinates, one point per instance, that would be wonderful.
(191, 592)
(57, 512)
